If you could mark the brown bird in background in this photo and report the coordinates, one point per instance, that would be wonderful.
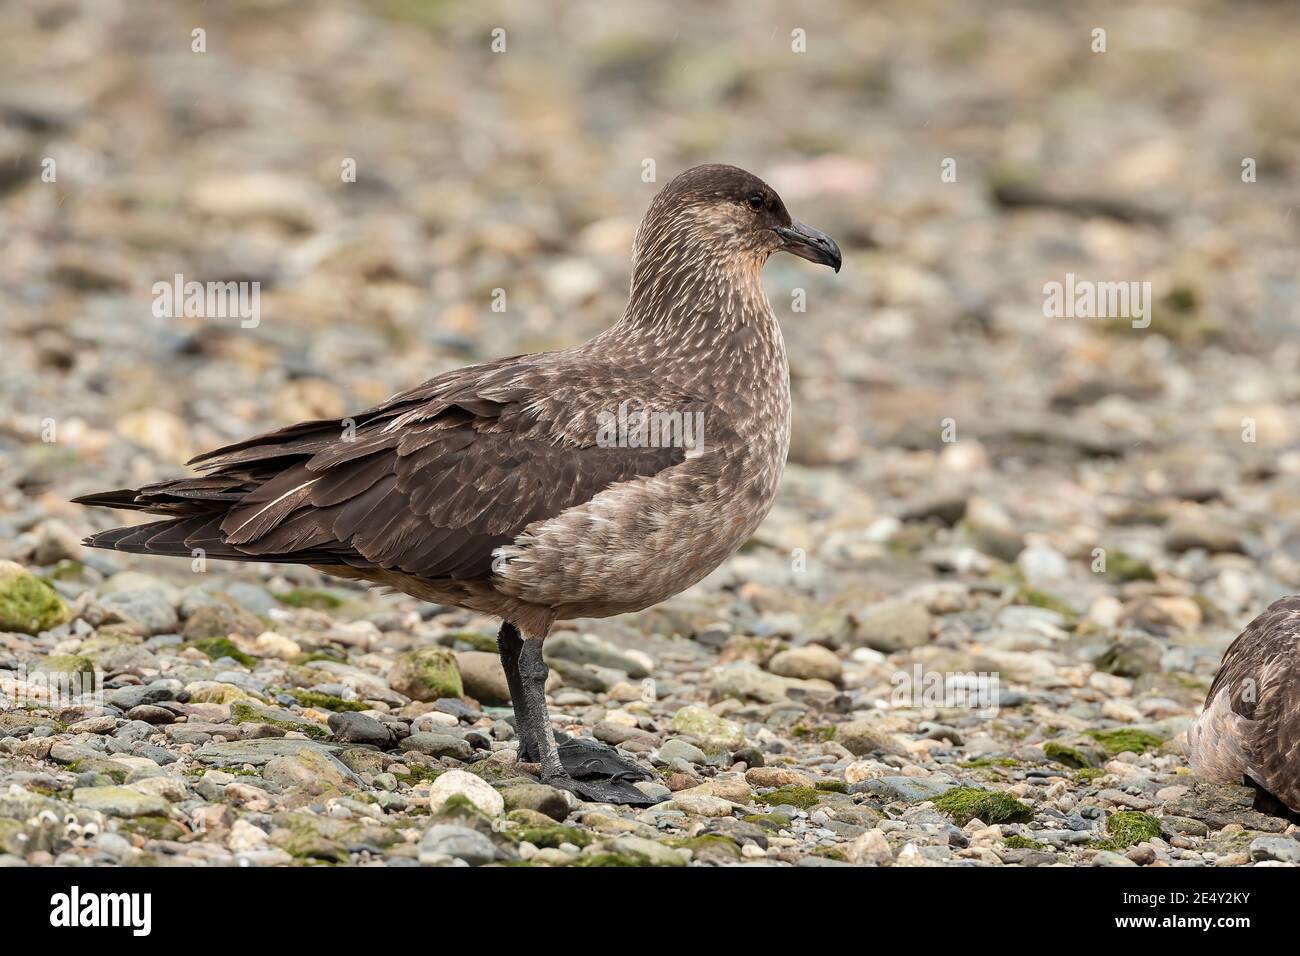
(1248, 733)
(584, 482)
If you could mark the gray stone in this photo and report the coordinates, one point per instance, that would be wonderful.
(258, 752)
(1219, 805)
(221, 617)
(461, 783)
(126, 698)
(462, 843)
(483, 677)
(1187, 531)
(1131, 656)
(862, 737)
(1174, 826)
(1284, 849)
(893, 625)
(119, 801)
(148, 609)
(811, 662)
(361, 729)
(656, 854)
(149, 714)
(1110, 858)
(743, 680)
(905, 789)
(309, 770)
(538, 797)
(438, 745)
(675, 748)
(590, 649)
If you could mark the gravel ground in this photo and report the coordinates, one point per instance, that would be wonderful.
(1082, 511)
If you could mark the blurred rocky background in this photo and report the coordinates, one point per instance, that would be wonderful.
(1087, 509)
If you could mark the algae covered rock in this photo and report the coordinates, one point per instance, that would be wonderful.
(426, 674)
(244, 712)
(71, 673)
(119, 801)
(221, 617)
(28, 605)
(458, 783)
(713, 732)
(1129, 827)
(964, 804)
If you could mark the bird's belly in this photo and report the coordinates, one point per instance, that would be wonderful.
(640, 542)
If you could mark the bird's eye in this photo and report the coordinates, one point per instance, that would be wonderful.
(757, 201)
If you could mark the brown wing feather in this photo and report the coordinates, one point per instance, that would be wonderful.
(429, 483)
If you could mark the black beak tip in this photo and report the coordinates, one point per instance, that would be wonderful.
(811, 244)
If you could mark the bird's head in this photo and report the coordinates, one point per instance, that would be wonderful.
(723, 212)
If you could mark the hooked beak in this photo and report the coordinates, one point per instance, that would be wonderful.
(811, 244)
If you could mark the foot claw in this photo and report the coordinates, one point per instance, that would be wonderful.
(589, 759)
(602, 791)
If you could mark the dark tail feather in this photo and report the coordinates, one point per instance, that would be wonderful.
(186, 537)
(122, 498)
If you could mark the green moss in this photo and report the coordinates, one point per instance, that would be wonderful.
(100, 765)
(66, 570)
(299, 839)
(552, 836)
(1088, 774)
(1070, 756)
(1036, 598)
(708, 843)
(964, 804)
(78, 673)
(426, 674)
(830, 853)
(989, 762)
(801, 797)
(832, 786)
(1126, 739)
(1129, 827)
(220, 693)
(1183, 298)
(332, 654)
(311, 698)
(475, 639)
(1017, 842)
(823, 734)
(768, 821)
(243, 712)
(458, 807)
(218, 647)
(606, 859)
(307, 597)
(153, 828)
(28, 605)
(1123, 567)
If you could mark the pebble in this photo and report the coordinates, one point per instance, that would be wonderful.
(459, 783)
(462, 843)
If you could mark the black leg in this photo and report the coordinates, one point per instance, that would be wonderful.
(615, 789)
(509, 644)
(535, 720)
